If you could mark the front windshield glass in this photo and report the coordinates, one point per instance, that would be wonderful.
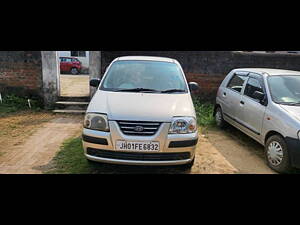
(285, 89)
(150, 76)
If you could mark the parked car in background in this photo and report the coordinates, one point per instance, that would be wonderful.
(265, 105)
(70, 65)
(142, 114)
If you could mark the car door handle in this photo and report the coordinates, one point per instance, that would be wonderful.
(243, 103)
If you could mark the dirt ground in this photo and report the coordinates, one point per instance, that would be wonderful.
(14, 129)
(36, 140)
(37, 137)
(74, 85)
(246, 155)
(29, 141)
(210, 161)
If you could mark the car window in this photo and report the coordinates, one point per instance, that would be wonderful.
(160, 76)
(68, 60)
(62, 59)
(285, 89)
(237, 82)
(252, 86)
(82, 54)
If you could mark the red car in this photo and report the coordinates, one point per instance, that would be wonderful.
(70, 65)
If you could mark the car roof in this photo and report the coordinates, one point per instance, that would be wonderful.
(67, 57)
(270, 72)
(147, 58)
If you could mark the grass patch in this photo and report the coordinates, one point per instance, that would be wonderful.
(205, 117)
(204, 113)
(13, 103)
(70, 159)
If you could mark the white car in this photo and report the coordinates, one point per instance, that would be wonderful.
(141, 114)
(264, 104)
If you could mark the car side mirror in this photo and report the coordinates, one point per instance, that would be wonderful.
(194, 86)
(95, 82)
(259, 96)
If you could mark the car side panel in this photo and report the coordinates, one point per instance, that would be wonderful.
(253, 114)
(221, 99)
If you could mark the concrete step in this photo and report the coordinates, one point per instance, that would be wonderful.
(69, 111)
(74, 99)
(71, 105)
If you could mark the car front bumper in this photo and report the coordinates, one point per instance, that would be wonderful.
(293, 145)
(175, 149)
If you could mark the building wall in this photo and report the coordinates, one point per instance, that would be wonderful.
(21, 73)
(271, 52)
(209, 68)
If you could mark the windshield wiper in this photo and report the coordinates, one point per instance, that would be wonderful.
(173, 90)
(289, 103)
(137, 90)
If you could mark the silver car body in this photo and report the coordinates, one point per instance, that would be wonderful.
(151, 107)
(255, 119)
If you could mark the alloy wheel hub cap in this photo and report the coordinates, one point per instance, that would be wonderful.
(275, 153)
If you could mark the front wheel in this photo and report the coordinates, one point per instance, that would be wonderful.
(189, 165)
(219, 118)
(277, 155)
(74, 71)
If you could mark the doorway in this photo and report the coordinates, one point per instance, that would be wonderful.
(74, 73)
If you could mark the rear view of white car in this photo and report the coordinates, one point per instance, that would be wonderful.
(142, 114)
(265, 105)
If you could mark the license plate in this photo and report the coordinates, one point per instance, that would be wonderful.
(152, 146)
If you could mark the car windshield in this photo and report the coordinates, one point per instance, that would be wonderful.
(285, 89)
(144, 76)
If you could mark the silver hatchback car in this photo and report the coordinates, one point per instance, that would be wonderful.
(264, 104)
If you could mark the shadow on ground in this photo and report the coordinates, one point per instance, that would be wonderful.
(89, 167)
(242, 151)
(71, 160)
(101, 168)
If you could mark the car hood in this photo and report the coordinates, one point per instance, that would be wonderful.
(292, 110)
(142, 106)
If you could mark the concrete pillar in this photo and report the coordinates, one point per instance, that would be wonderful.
(94, 68)
(50, 78)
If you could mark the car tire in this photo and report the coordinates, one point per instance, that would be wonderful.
(189, 165)
(277, 154)
(93, 163)
(74, 71)
(221, 123)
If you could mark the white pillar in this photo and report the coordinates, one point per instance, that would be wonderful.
(50, 77)
(94, 68)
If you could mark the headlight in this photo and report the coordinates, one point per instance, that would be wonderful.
(183, 125)
(96, 121)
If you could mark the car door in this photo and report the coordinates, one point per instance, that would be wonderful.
(63, 64)
(68, 65)
(232, 94)
(252, 110)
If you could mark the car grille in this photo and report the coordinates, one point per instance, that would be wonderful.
(138, 156)
(139, 128)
